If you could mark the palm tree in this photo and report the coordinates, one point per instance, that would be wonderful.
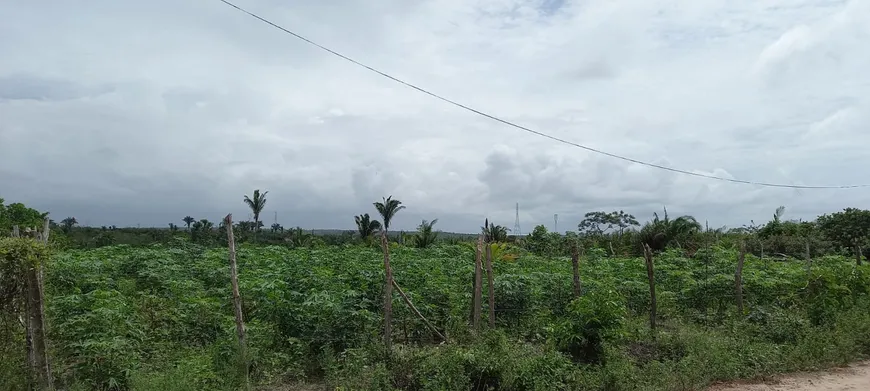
(366, 226)
(68, 223)
(425, 236)
(388, 208)
(494, 233)
(257, 203)
(658, 233)
(277, 227)
(188, 220)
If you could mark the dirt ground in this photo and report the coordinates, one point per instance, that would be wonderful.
(855, 377)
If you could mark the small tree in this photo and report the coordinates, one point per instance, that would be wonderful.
(425, 236)
(493, 233)
(188, 220)
(659, 233)
(388, 209)
(68, 224)
(849, 228)
(257, 203)
(366, 226)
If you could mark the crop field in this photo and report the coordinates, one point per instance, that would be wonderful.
(161, 318)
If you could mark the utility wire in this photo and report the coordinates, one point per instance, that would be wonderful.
(523, 128)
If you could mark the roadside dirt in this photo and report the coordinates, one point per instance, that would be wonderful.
(855, 377)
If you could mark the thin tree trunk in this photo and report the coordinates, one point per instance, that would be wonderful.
(575, 264)
(478, 285)
(489, 278)
(388, 294)
(237, 298)
(738, 278)
(650, 273)
(858, 254)
(413, 308)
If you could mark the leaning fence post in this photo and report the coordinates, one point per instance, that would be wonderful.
(237, 298)
(417, 312)
(738, 278)
(650, 273)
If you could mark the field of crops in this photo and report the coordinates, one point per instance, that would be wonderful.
(161, 318)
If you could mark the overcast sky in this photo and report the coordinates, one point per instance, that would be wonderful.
(126, 113)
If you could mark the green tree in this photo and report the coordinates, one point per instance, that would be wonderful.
(540, 241)
(493, 233)
(425, 236)
(388, 209)
(20, 215)
(68, 223)
(366, 226)
(201, 232)
(188, 220)
(659, 233)
(599, 223)
(848, 228)
(257, 203)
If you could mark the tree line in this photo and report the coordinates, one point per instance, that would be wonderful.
(614, 233)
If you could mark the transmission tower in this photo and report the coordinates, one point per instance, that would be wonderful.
(517, 221)
(556, 222)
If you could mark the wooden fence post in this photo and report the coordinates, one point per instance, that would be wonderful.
(575, 264)
(388, 294)
(489, 278)
(650, 272)
(237, 298)
(738, 278)
(478, 285)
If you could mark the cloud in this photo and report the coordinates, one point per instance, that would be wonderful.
(142, 113)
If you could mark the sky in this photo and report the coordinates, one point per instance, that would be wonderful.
(140, 113)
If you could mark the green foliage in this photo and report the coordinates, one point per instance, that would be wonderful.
(256, 203)
(540, 241)
(20, 215)
(590, 319)
(846, 228)
(159, 317)
(366, 226)
(16, 256)
(388, 209)
(660, 233)
(599, 223)
(494, 233)
(425, 236)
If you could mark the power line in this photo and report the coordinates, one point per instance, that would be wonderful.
(523, 128)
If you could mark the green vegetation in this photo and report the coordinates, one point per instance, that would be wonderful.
(157, 315)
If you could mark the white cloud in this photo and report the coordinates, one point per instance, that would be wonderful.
(166, 107)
